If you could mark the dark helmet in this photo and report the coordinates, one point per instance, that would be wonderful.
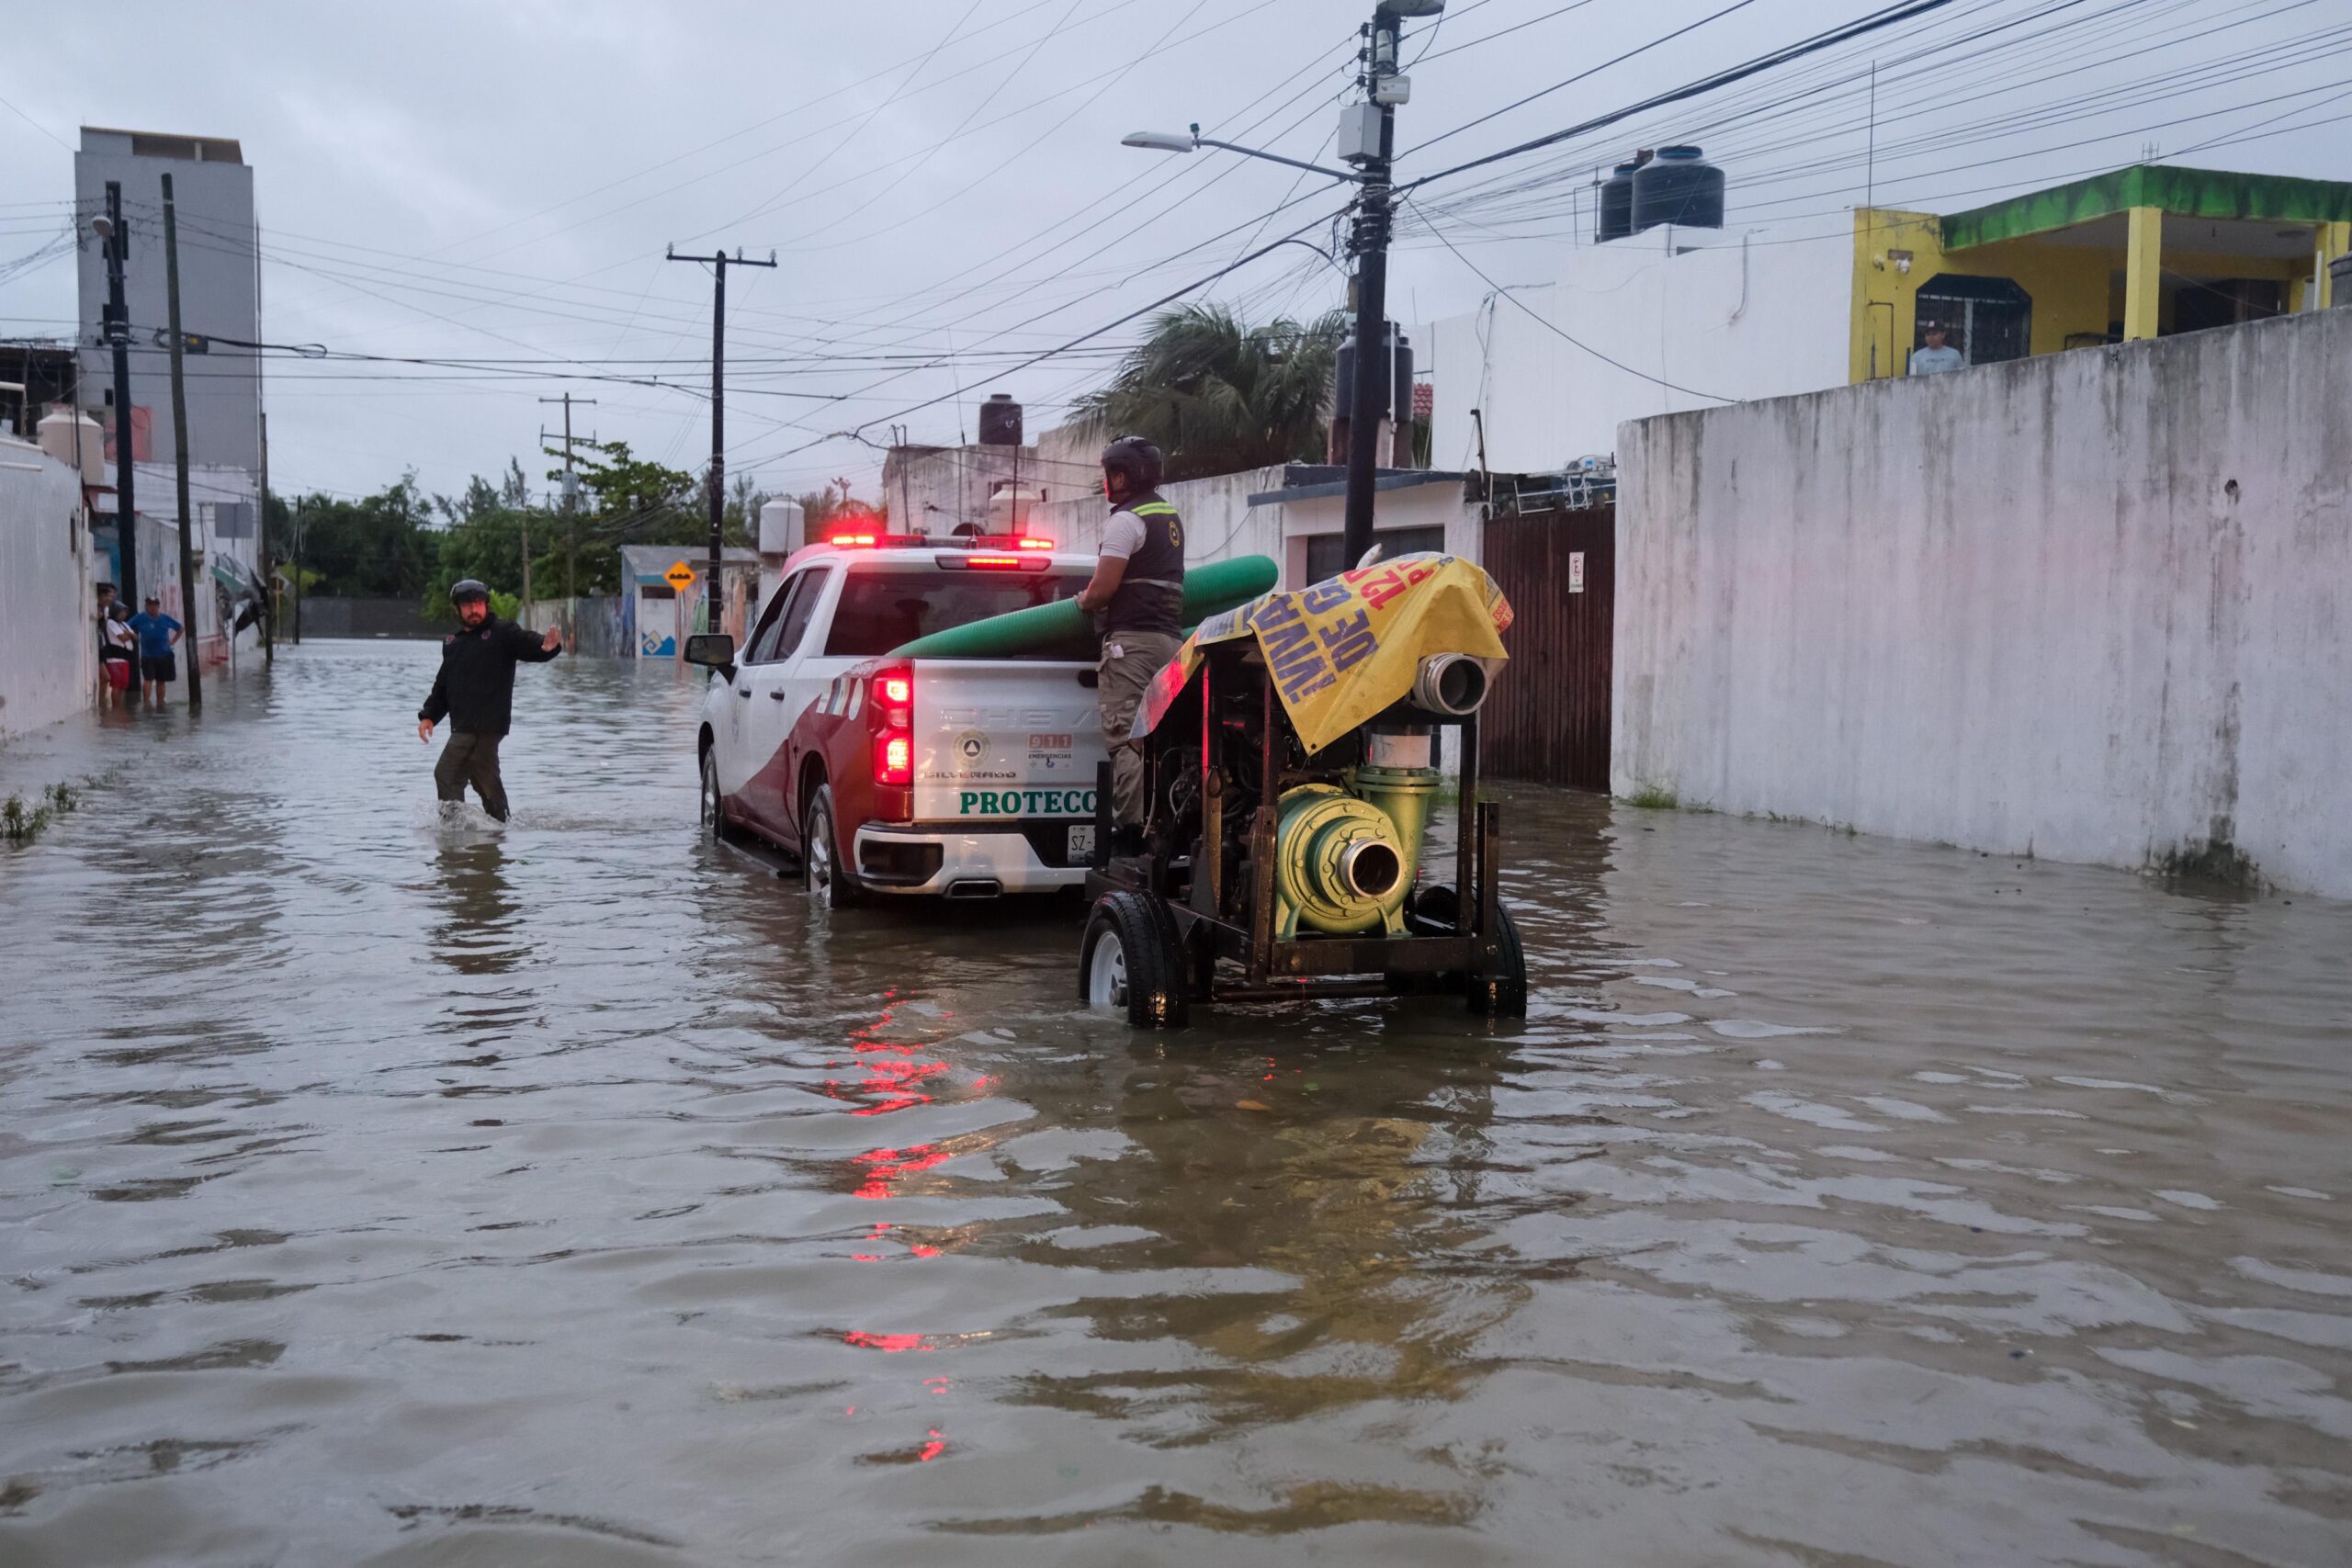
(467, 588)
(1138, 460)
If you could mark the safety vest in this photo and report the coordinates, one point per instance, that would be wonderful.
(1150, 595)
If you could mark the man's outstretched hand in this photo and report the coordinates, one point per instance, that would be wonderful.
(554, 639)
(424, 730)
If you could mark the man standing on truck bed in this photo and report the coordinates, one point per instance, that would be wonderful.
(475, 690)
(1137, 596)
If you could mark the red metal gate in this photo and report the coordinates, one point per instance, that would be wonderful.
(1548, 719)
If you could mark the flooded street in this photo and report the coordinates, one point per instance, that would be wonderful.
(380, 1190)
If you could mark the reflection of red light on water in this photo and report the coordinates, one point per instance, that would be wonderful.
(885, 1166)
(919, 1250)
(932, 1449)
(865, 1340)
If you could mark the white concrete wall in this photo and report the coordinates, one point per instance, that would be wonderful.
(2091, 606)
(1740, 316)
(48, 608)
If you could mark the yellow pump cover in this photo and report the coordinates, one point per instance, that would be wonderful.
(1345, 648)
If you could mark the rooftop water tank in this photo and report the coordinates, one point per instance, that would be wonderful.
(1000, 421)
(60, 430)
(1617, 203)
(1681, 187)
(780, 528)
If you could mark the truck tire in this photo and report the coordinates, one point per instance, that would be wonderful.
(1130, 958)
(1501, 990)
(715, 826)
(830, 882)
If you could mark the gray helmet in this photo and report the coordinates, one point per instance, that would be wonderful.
(467, 588)
(1138, 460)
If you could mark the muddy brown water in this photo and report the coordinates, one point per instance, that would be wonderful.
(378, 1190)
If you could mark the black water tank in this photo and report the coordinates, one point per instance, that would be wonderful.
(1000, 421)
(1617, 203)
(1396, 393)
(1681, 187)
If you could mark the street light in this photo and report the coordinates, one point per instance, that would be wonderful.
(1176, 142)
(1367, 140)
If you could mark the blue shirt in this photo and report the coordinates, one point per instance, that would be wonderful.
(154, 634)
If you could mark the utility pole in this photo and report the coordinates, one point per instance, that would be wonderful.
(300, 503)
(1367, 140)
(571, 529)
(179, 452)
(1370, 137)
(261, 554)
(719, 261)
(523, 517)
(116, 240)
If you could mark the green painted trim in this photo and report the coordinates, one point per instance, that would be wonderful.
(2184, 193)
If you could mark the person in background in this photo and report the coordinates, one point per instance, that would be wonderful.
(1936, 359)
(158, 634)
(475, 691)
(115, 644)
(1136, 595)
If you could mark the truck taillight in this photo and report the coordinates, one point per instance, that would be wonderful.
(890, 712)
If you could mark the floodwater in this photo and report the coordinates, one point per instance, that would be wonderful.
(376, 1190)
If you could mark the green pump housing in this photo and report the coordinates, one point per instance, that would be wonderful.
(1345, 859)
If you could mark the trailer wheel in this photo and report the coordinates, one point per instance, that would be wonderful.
(1130, 959)
(1500, 991)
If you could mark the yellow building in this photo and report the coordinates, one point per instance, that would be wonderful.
(2140, 253)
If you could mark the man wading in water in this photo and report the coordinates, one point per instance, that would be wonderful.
(475, 690)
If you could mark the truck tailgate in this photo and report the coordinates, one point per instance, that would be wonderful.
(1001, 740)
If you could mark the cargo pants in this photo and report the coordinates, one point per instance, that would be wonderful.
(472, 759)
(1129, 662)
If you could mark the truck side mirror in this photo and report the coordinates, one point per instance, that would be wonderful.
(712, 650)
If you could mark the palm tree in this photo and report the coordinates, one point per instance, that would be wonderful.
(1219, 397)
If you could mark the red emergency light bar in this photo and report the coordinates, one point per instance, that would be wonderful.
(1012, 542)
(986, 561)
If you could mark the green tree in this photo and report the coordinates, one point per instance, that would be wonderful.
(379, 546)
(482, 536)
(1219, 397)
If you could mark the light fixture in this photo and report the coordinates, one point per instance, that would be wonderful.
(1158, 141)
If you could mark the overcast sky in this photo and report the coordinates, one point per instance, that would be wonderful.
(943, 186)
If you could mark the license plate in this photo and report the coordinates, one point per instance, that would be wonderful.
(1081, 844)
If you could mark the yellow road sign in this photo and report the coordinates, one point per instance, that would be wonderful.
(679, 576)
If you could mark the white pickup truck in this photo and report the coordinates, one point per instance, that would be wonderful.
(944, 777)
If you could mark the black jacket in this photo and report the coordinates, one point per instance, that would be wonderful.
(475, 690)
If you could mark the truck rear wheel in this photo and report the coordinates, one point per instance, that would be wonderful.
(830, 882)
(1130, 959)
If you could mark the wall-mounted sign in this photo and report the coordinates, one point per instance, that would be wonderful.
(1575, 571)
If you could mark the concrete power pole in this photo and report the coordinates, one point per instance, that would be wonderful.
(116, 240)
(1374, 153)
(719, 261)
(179, 453)
(571, 528)
(269, 567)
